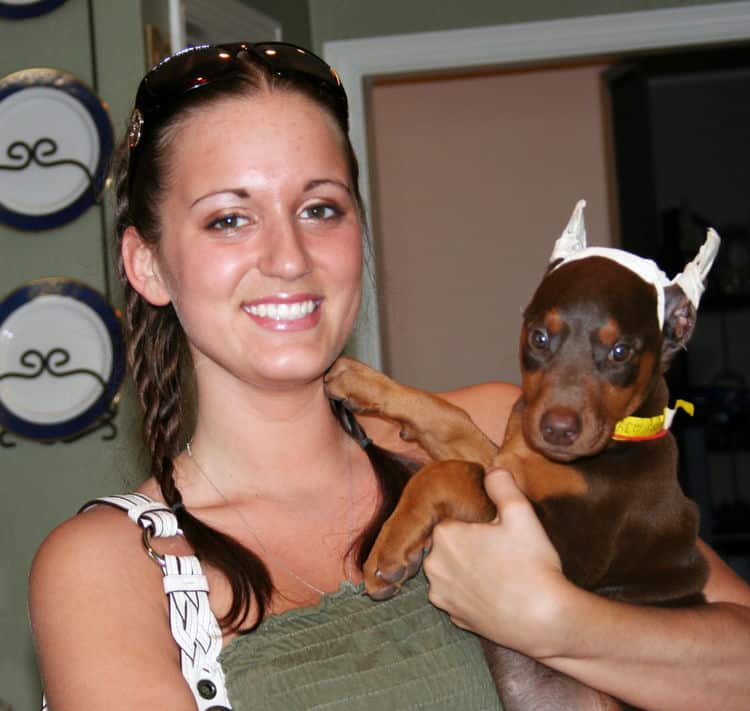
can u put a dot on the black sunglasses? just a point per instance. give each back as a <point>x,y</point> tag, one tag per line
<point>195,67</point>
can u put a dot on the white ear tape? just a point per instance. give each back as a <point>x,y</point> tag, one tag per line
<point>692,279</point>
<point>571,245</point>
<point>573,237</point>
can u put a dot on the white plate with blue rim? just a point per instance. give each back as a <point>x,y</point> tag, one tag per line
<point>62,359</point>
<point>56,140</point>
<point>21,9</point>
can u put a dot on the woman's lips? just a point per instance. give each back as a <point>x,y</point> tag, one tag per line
<point>285,314</point>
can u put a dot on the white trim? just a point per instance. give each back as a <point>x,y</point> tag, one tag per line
<point>360,59</point>
<point>176,25</point>
<point>228,21</point>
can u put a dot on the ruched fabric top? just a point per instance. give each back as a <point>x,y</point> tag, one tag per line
<point>350,652</point>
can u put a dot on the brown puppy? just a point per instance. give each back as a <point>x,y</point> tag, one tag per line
<point>598,335</point>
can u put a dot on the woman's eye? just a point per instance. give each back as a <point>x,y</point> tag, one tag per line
<point>320,212</point>
<point>539,339</point>
<point>620,352</point>
<point>228,222</point>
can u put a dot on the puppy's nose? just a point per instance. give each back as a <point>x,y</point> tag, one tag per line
<point>560,426</point>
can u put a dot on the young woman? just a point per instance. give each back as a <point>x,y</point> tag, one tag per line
<point>240,231</point>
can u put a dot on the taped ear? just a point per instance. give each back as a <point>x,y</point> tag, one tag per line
<point>682,297</point>
<point>679,322</point>
<point>142,268</point>
<point>573,237</point>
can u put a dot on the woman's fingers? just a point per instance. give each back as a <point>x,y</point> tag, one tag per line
<point>497,579</point>
<point>503,490</point>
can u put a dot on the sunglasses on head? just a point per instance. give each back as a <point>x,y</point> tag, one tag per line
<point>196,67</point>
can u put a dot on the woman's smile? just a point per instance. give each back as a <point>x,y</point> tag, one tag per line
<point>296,312</point>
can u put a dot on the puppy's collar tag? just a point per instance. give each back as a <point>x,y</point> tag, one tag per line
<point>640,429</point>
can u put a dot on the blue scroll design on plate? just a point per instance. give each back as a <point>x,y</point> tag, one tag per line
<point>38,154</point>
<point>34,363</point>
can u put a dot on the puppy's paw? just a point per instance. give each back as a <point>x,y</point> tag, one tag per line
<point>385,583</point>
<point>394,559</point>
<point>357,385</point>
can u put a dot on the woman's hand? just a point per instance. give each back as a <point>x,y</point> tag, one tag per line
<point>502,580</point>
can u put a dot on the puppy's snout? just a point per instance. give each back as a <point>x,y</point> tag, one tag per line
<point>560,427</point>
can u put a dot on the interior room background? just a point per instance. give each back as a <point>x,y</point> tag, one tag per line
<point>473,174</point>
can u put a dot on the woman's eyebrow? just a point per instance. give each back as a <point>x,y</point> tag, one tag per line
<point>327,181</point>
<point>242,193</point>
<point>238,192</point>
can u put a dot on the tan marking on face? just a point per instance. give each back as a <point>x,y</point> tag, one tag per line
<point>553,322</point>
<point>531,384</point>
<point>533,381</point>
<point>538,477</point>
<point>609,333</point>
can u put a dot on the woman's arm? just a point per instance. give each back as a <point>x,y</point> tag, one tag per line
<point>654,658</point>
<point>100,622</point>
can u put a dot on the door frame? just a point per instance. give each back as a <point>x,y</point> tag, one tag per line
<point>359,61</point>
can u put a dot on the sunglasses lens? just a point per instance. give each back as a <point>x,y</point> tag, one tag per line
<point>288,58</point>
<point>183,72</point>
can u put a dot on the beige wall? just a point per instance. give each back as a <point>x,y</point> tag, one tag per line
<point>474,178</point>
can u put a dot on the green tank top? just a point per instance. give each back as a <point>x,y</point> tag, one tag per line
<point>350,652</point>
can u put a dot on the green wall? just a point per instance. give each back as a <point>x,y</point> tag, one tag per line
<point>293,16</point>
<point>43,484</point>
<point>350,19</point>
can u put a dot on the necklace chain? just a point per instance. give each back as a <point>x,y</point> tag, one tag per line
<point>268,554</point>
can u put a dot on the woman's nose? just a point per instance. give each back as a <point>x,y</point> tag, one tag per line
<point>284,254</point>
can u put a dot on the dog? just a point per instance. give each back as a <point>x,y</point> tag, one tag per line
<point>587,441</point>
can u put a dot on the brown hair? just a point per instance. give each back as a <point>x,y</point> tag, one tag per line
<point>159,356</point>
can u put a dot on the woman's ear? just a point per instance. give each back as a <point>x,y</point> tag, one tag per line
<point>142,268</point>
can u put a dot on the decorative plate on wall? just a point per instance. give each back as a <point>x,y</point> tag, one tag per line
<point>56,139</point>
<point>19,9</point>
<point>62,359</point>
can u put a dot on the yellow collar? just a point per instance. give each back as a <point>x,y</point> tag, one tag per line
<point>638,429</point>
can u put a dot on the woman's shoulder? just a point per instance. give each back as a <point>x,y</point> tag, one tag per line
<point>98,549</point>
<point>101,543</point>
<point>88,538</point>
<point>97,603</point>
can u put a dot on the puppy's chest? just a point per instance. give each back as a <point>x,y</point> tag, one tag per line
<point>599,513</point>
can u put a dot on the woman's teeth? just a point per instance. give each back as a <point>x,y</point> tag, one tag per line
<point>283,312</point>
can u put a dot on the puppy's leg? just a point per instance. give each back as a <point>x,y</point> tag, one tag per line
<point>438,491</point>
<point>443,430</point>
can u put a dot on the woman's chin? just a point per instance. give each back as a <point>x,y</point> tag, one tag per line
<point>290,373</point>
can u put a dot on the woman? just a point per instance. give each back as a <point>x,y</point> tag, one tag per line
<point>239,224</point>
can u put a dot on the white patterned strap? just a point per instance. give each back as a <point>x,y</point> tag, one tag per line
<point>195,630</point>
<point>193,624</point>
<point>144,511</point>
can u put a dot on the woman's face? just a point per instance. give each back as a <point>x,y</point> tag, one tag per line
<point>261,250</point>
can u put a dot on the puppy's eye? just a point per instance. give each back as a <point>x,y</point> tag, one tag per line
<point>539,339</point>
<point>620,352</point>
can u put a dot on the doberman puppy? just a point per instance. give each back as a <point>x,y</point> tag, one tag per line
<point>587,442</point>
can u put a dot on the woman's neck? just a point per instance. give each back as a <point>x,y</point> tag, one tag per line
<point>254,441</point>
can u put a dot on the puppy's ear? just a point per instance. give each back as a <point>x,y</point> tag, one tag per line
<point>679,322</point>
